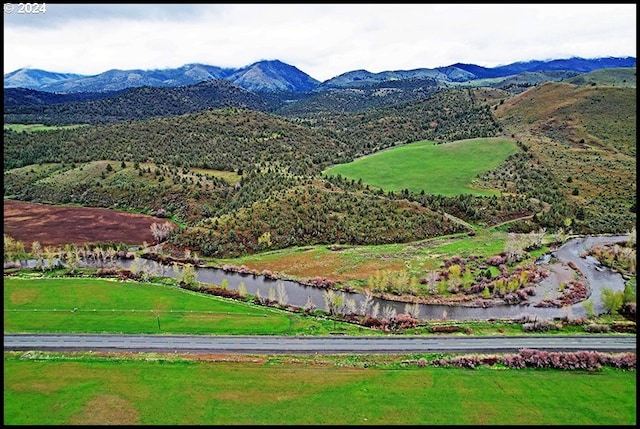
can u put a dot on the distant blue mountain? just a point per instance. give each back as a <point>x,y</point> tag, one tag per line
<point>581,65</point>
<point>460,72</point>
<point>262,76</point>
<point>272,76</point>
<point>118,80</point>
<point>276,76</point>
<point>36,78</point>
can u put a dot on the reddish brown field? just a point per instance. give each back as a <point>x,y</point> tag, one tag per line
<point>59,225</point>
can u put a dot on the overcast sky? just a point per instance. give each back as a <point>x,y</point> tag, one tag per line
<point>322,40</point>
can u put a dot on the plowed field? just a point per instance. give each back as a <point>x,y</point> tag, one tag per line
<point>59,225</point>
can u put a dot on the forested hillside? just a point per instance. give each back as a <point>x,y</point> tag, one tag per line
<point>584,137</point>
<point>246,178</point>
<point>224,139</point>
<point>128,105</point>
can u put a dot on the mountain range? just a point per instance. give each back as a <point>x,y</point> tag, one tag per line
<point>275,76</point>
<point>232,163</point>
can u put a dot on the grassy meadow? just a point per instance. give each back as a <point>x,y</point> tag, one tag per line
<point>145,388</point>
<point>38,127</point>
<point>132,388</point>
<point>354,265</point>
<point>90,305</point>
<point>150,389</point>
<point>445,169</point>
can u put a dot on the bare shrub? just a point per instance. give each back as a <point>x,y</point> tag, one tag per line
<point>350,305</point>
<point>160,231</point>
<point>283,298</point>
<point>332,301</point>
<point>403,321</point>
<point>412,310</point>
<point>309,305</point>
<point>271,294</point>
<point>367,303</point>
<point>242,289</point>
<point>594,327</point>
<point>388,312</point>
<point>541,325</point>
<point>375,310</point>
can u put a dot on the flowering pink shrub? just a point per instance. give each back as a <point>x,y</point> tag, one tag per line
<point>403,321</point>
<point>454,260</point>
<point>107,272</point>
<point>531,358</point>
<point>496,260</point>
<point>320,282</point>
<point>268,275</point>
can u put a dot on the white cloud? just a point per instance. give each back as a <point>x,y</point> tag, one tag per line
<point>322,40</point>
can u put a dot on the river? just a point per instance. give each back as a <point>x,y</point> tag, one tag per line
<point>596,276</point>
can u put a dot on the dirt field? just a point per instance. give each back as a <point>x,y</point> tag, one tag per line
<point>59,225</point>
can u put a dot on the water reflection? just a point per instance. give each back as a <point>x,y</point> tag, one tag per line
<point>300,295</point>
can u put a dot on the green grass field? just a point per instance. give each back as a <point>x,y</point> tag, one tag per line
<point>90,388</point>
<point>43,305</point>
<point>446,169</point>
<point>152,390</point>
<point>354,264</point>
<point>38,127</point>
<point>46,305</point>
<point>94,305</point>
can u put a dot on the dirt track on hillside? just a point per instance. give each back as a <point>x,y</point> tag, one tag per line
<point>59,225</point>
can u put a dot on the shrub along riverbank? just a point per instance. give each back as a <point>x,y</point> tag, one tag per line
<point>93,305</point>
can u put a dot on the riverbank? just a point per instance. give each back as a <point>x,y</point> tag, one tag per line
<point>567,262</point>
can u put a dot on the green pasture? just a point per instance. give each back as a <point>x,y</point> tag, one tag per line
<point>38,127</point>
<point>427,254</point>
<point>230,176</point>
<point>152,389</point>
<point>445,169</point>
<point>90,305</point>
<point>485,244</point>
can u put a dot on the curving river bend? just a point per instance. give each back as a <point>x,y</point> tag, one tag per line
<point>596,276</point>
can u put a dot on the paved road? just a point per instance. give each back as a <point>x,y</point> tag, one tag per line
<point>322,345</point>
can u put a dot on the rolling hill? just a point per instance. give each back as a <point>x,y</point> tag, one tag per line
<point>135,104</point>
<point>585,136</point>
<point>573,167</point>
